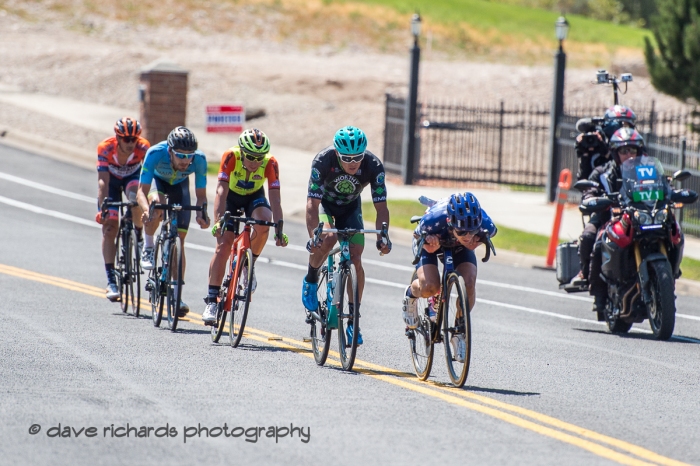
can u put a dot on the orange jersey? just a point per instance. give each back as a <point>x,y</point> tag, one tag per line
<point>243,182</point>
<point>108,159</point>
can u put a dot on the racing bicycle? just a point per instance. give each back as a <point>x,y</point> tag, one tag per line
<point>165,280</point>
<point>237,287</point>
<point>338,298</point>
<point>128,264</point>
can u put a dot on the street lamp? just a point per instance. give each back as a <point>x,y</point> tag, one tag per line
<point>409,147</point>
<point>561,28</point>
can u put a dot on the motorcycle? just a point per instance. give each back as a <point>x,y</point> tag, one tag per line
<point>641,245</point>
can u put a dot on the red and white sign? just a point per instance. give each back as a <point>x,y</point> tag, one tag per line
<point>225,118</point>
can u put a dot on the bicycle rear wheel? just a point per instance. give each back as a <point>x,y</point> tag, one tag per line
<point>156,289</point>
<point>348,313</point>
<point>456,329</point>
<point>420,339</point>
<point>240,299</point>
<point>320,335</point>
<point>174,284</point>
<point>135,275</point>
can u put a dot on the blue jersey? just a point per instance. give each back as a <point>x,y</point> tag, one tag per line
<point>157,163</point>
<point>434,222</point>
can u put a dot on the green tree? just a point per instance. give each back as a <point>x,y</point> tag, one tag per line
<point>674,66</point>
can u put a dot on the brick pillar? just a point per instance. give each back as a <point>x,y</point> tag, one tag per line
<point>163,94</point>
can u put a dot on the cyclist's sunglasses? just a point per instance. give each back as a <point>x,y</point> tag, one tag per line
<point>254,158</point>
<point>352,158</point>
<point>129,139</point>
<point>180,155</point>
<point>466,232</point>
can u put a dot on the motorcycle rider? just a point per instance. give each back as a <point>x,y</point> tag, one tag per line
<point>626,143</point>
<point>592,143</point>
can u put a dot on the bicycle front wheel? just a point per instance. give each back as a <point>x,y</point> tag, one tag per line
<point>420,339</point>
<point>135,275</point>
<point>320,334</point>
<point>240,299</point>
<point>121,269</point>
<point>222,308</point>
<point>456,329</point>
<point>348,315</point>
<point>156,290</point>
<point>174,281</point>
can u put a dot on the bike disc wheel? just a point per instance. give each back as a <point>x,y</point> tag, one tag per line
<point>420,339</point>
<point>156,293</point>
<point>174,284</point>
<point>240,299</point>
<point>456,326</point>
<point>320,335</point>
<point>348,314</point>
<point>135,275</point>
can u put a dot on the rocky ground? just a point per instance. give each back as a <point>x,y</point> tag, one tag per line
<point>307,93</point>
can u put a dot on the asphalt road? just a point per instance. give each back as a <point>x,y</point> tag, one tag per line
<point>547,385</point>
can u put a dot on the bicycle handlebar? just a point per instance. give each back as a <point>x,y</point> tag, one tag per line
<point>484,238</point>
<point>178,208</point>
<point>384,232</point>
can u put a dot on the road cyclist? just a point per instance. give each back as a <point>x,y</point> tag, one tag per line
<point>242,174</point>
<point>165,173</point>
<point>339,173</point>
<point>449,231</point>
<point>119,162</point>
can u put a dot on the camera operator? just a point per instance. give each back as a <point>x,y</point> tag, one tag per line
<point>592,142</point>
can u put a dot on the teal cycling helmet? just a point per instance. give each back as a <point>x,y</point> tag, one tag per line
<point>350,141</point>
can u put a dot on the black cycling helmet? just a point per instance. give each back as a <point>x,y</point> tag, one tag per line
<point>182,138</point>
<point>464,212</point>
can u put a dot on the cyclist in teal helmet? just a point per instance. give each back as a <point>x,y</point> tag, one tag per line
<point>350,141</point>
<point>338,175</point>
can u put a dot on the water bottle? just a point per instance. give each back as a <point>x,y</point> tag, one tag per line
<point>334,299</point>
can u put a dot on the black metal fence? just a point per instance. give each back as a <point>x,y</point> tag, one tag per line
<point>500,143</point>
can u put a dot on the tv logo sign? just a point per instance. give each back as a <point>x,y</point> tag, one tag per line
<point>646,173</point>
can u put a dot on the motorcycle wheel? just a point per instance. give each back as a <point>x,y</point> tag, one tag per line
<point>662,308</point>
<point>615,324</point>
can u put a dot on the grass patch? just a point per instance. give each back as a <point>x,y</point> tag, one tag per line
<point>515,20</point>
<point>690,268</point>
<point>507,238</point>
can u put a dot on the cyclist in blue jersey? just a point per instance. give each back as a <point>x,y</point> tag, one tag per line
<point>458,222</point>
<point>165,172</point>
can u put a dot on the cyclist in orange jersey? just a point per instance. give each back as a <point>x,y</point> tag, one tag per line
<point>244,169</point>
<point>119,160</point>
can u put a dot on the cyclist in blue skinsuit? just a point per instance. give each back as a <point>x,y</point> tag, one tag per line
<point>165,171</point>
<point>456,221</point>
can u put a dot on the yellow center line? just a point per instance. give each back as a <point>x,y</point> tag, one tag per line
<point>430,388</point>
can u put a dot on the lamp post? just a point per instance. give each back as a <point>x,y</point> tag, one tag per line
<point>409,146</point>
<point>562,30</point>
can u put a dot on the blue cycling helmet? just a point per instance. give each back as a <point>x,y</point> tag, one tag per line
<point>464,212</point>
<point>350,141</point>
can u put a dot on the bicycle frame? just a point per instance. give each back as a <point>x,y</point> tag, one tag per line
<point>241,243</point>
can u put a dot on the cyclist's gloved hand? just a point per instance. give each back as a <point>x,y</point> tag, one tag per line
<point>217,226</point>
<point>310,244</point>
<point>99,219</point>
<point>284,241</point>
<point>384,247</point>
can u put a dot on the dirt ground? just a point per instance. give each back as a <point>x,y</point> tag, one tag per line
<point>307,93</point>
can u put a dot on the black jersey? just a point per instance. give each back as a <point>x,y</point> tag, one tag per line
<point>330,183</point>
